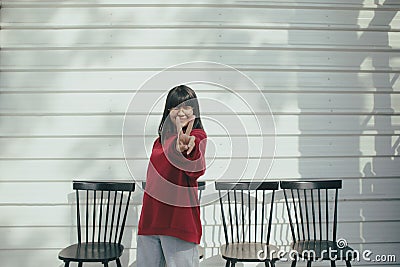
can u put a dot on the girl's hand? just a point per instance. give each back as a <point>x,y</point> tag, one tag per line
<point>185,141</point>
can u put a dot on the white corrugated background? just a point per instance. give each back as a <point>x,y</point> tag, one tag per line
<point>329,69</point>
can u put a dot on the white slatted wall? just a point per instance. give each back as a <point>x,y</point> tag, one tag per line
<point>330,70</point>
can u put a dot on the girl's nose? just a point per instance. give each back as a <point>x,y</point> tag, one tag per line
<point>181,113</point>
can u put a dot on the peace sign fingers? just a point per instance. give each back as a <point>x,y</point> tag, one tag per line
<point>191,144</point>
<point>190,125</point>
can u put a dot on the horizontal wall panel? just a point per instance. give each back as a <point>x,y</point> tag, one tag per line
<point>110,59</point>
<point>175,16</point>
<point>64,215</point>
<point>39,193</point>
<point>130,81</point>
<point>41,257</point>
<point>49,257</point>
<point>217,103</point>
<point>217,147</point>
<point>356,233</point>
<point>233,38</point>
<point>59,237</point>
<point>349,4</point>
<point>48,237</point>
<point>373,232</point>
<point>37,257</point>
<point>97,126</point>
<point>294,168</point>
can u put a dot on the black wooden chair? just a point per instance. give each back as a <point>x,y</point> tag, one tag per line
<point>103,222</point>
<point>247,236</point>
<point>201,187</point>
<point>312,209</point>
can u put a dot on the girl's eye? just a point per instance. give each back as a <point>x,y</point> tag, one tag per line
<point>184,108</point>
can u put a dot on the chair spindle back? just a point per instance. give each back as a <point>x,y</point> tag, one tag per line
<point>246,209</point>
<point>312,209</point>
<point>104,210</point>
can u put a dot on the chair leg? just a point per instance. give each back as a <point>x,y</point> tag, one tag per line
<point>333,264</point>
<point>272,263</point>
<point>348,264</point>
<point>309,263</point>
<point>294,262</point>
<point>266,263</point>
<point>233,263</point>
<point>118,262</point>
<point>105,264</point>
<point>80,264</point>
<point>66,263</point>
<point>228,263</point>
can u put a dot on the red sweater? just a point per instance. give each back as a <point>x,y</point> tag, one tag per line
<point>170,205</point>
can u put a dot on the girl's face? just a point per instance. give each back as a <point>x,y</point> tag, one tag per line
<point>183,112</point>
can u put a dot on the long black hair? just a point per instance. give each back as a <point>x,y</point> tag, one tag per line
<point>178,95</point>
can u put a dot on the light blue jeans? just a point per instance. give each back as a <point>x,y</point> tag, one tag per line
<point>161,250</point>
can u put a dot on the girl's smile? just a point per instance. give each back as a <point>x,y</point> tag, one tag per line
<point>184,113</point>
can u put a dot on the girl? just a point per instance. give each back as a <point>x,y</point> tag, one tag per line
<point>169,225</point>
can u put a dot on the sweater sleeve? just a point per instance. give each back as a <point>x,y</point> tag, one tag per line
<point>169,148</point>
<point>197,156</point>
<point>194,163</point>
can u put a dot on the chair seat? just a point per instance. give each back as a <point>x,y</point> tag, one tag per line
<point>249,251</point>
<point>325,250</point>
<point>91,252</point>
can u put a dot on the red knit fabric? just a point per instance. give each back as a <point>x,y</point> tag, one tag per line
<point>170,205</point>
